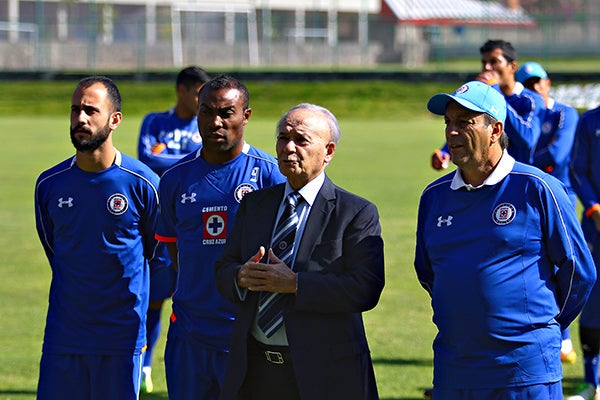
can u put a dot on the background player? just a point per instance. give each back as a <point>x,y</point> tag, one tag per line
<point>95,216</point>
<point>585,170</point>
<point>199,198</point>
<point>553,150</point>
<point>525,110</point>
<point>165,137</point>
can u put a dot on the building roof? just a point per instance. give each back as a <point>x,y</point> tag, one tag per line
<point>455,12</point>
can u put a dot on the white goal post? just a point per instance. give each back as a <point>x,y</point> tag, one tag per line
<point>14,29</point>
<point>229,10</point>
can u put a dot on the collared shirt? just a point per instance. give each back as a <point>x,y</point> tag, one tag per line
<point>309,193</point>
<point>500,172</point>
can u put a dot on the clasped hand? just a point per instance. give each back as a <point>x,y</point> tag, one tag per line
<point>275,276</point>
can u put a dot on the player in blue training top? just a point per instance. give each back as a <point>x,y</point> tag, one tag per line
<point>553,149</point>
<point>199,198</point>
<point>525,110</point>
<point>96,216</point>
<point>585,177</point>
<point>501,253</point>
<point>166,137</point>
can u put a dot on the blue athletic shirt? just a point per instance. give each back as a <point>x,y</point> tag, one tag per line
<point>180,137</point>
<point>585,164</point>
<point>553,149</point>
<point>97,229</point>
<point>506,266</point>
<point>524,116</point>
<point>198,205</point>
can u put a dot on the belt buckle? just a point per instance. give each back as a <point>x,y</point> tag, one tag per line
<point>274,357</point>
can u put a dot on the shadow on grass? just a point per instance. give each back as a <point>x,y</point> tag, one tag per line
<point>404,361</point>
<point>154,396</point>
<point>28,393</point>
<point>571,385</point>
<point>17,392</point>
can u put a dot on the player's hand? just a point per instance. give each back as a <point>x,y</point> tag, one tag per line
<point>440,160</point>
<point>488,77</point>
<point>595,216</point>
<point>158,148</point>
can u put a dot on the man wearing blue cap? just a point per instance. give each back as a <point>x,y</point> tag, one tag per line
<point>525,108</point>
<point>504,261</point>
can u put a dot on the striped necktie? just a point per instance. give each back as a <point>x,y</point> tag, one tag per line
<point>270,306</point>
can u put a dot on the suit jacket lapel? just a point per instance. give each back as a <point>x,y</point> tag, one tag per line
<point>315,224</point>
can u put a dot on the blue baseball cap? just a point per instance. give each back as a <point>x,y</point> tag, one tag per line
<point>474,95</point>
<point>531,69</point>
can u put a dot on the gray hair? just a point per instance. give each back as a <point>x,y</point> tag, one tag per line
<point>334,128</point>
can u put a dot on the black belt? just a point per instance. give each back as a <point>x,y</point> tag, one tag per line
<point>273,354</point>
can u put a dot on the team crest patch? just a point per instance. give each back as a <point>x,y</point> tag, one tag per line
<point>117,204</point>
<point>215,224</point>
<point>504,214</point>
<point>242,190</point>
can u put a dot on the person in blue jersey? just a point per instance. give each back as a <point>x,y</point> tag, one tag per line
<point>200,195</point>
<point>553,150</point>
<point>585,178</point>
<point>525,109</point>
<point>166,137</point>
<point>96,215</point>
<point>501,253</point>
<point>299,332</point>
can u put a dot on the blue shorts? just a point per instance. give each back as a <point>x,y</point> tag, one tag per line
<point>193,371</point>
<point>542,391</point>
<point>89,377</point>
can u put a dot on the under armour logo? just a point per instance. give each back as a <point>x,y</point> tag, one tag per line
<point>185,198</point>
<point>447,221</point>
<point>68,202</point>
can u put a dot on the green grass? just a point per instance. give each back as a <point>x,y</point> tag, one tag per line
<point>383,155</point>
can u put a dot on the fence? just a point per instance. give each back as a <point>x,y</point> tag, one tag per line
<point>138,37</point>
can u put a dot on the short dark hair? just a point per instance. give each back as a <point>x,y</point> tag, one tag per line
<point>489,120</point>
<point>227,82</point>
<point>111,88</point>
<point>192,75</point>
<point>507,48</point>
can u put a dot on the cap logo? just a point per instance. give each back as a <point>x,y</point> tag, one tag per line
<point>462,89</point>
<point>494,110</point>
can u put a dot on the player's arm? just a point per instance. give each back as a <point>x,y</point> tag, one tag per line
<point>567,249</point>
<point>581,157</point>
<point>525,130</point>
<point>422,264</point>
<point>559,149</point>
<point>43,223</point>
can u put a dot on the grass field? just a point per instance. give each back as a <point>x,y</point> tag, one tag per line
<point>387,137</point>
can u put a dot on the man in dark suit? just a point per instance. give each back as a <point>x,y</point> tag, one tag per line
<point>334,272</point>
